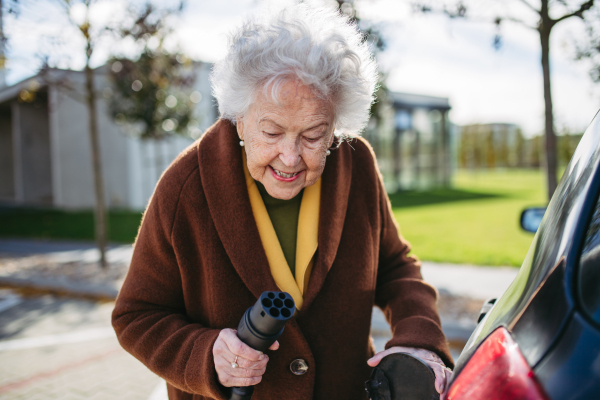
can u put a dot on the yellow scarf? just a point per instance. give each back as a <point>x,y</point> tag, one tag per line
<point>306,243</point>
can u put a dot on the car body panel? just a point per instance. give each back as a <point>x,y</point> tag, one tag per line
<point>571,370</point>
<point>543,318</point>
<point>538,305</point>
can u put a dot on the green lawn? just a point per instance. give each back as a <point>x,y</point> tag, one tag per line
<point>477,222</point>
<point>53,224</point>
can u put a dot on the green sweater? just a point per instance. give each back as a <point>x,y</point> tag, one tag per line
<point>284,217</point>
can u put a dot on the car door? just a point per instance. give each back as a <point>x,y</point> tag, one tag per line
<point>519,337</point>
<point>571,369</point>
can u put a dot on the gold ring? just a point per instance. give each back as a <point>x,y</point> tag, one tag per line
<point>235,364</point>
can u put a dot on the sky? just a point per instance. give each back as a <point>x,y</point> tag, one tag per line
<point>426,54</point>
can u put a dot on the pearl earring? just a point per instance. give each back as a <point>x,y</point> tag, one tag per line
<point>242,143</point>
<point>327,152</point>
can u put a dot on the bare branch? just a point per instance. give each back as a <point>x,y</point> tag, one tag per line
<point>518,21</point>
<point>459,11</point>
<point>579,13</point>
<point>530,6</point>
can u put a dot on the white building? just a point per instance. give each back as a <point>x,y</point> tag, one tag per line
<point>45,156</point>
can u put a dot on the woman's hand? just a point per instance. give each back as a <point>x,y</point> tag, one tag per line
<point>251,363</point>
<point>442,373</point>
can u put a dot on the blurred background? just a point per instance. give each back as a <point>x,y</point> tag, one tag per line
<point>480,107</point>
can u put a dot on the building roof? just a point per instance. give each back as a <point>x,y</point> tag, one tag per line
<point>35,83</point>
<point>409,100</point>
<point>11,92</point>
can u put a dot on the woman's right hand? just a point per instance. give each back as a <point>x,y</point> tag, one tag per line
<point>251,363</point>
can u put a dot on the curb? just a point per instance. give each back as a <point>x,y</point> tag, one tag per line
<point>457,333</point>
<point>55,286</point>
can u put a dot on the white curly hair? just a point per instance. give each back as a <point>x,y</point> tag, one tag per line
<point>318,46</point>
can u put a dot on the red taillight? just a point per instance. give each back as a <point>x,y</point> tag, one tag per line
<point>497,371</point>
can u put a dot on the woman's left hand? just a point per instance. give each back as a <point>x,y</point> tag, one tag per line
<point>442,373</point>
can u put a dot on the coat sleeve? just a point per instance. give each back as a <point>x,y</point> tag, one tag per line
<point>408,303</point>
<point>150,317</point>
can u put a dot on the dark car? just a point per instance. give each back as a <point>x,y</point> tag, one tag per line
<point>541,339</point>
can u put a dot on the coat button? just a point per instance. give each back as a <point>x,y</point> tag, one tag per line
<point>298,366</point>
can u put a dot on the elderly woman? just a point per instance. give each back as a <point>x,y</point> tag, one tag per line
<point>275,196</point>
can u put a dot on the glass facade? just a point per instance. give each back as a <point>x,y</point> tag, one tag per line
<point>413,143</point>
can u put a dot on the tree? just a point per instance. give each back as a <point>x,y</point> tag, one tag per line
<point>372,35</point>
<point>92,34</point>
<point>144,27</point>
<point>547,19</point>
<point>590,48</point>
<point>12,9</point>
<point>153,94</point>
<point>100,217</point>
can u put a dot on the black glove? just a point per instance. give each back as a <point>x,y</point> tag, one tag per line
<point>401,376</point>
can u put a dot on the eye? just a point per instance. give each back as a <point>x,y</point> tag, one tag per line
<point>312,140</point>
<point>270,134</point>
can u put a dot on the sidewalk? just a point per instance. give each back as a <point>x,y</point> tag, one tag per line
<point>469,280</point>
<point>63,267</point>
<point>71,266</point>
<point>64,347</point>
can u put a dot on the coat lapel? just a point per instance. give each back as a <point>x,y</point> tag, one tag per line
<point>224,184</point>
<point>335,189</point>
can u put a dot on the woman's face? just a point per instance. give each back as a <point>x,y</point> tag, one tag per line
<point>286,143</point>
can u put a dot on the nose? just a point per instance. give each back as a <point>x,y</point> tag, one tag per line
<point>290,153</point>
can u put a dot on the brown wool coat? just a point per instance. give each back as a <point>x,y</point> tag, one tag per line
<point>198,264</point>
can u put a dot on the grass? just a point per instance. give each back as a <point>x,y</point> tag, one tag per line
<point>476,222</point>
<point>54,224</point>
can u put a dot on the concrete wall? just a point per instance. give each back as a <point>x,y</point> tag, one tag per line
<point>71,154</point>
<point>52,154</point>
<point>131,167</point>
<point>32,134</point>
<point>113,144</point>
<point>72,149</point>
<point>147,161</point>
<point>7,183</point>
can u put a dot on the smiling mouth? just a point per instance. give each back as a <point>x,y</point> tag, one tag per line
<point>284,175</point>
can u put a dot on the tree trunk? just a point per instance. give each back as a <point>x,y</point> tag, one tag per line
<point>100,209</point>
<point>550,159</point>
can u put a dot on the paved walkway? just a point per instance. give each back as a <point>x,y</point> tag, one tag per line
<point>469,280</point>
<point>64,348</point>
<point>462,280</point>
